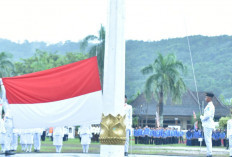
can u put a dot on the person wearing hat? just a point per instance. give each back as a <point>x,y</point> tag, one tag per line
<point>2,129</point>
<point>58,134</point>
<point>86,135</point>
<point>128,123</point>
<point>208,122</point>
<point>37,139</point>
<point>8,121</point>
<point>229,133</point>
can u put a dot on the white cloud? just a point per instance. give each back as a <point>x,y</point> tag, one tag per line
<point>60,20</point>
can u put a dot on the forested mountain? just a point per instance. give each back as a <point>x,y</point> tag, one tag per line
<point>27,49</point>
<point>212,58</point>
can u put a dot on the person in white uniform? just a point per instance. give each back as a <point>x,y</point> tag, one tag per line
<point>58,134</point>
<point>229,133</point>
<point>8,121</point>
<point>86,135</point>
<point>208,122</point>
<point>29,139</point>
<point>37,139</point>
<point>128,123</point>
<point>14,142</point>
<point>23,139</point>
<point>2,131</point>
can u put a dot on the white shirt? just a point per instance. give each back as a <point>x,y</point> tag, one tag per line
<point>207,119</point>
<point>38,130</point>
<point>229,128</point>
<point>2,127</point>
<point>58,131</point>
<point>85,129</point>
<point>128,113</point>
<point>1,107</point>
<point>5,104</point>
<point>85,134</point>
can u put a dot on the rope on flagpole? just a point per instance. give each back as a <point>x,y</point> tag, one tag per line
<point>194,76</point>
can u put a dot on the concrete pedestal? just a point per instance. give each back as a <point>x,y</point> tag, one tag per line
<point>112,150</point>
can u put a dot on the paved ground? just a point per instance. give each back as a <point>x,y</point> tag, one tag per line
<point>76,155</point>
<point>184,151</point>
<point>136,151</point>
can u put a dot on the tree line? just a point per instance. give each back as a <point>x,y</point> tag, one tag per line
<point>212,59</point>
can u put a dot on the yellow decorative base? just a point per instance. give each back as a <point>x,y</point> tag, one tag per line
<point>113,130</point>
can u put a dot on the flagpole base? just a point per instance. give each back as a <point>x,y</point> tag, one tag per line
<point>112,136</point>
<point>112,150</point>
<point>113,130</point>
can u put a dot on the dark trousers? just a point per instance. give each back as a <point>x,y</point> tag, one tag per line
<point>146,139</point>
<point>151,140</point>
<point>43,136</point>
<point>140,140</point>
<point>136,139</point>
<point>181,139</point>
<point>189,142</point>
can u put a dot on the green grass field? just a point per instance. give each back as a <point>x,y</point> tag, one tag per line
<point>74,146</point>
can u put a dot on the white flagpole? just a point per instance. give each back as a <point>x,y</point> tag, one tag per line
<point>114,70</point>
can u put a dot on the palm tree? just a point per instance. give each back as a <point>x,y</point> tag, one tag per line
<point>165,81</point>
<point>6,66</point>
<point>97,49</point>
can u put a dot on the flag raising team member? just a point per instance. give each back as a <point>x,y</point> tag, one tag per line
<point>37,139</point>
<point>2,129</point>
<point>208,122</point>
<point>86,135</point>
<point>128,123</point>
<point>58,134</point>
<point>8,121</point>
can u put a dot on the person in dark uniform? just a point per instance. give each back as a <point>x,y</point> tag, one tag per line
<point>189,137</point>
<point>214,138</point>
<point>43,135</point>
<point>218,138</point>
<point>164,136</point>
<point>181,136</point>
<point>222,136</point>
<point>140,131</point>
<point>146,134</point>
<point>136,135</point>
<point>195,138</point>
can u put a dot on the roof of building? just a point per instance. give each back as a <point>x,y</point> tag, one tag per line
<point>186,108</point>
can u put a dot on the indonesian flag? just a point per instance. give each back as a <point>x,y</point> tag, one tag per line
<point>196,125</point>
<point>194,115</point>
<point>68,95</point>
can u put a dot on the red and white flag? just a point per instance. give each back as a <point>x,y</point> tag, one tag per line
<point>68,95</point>
<point>196,125</point>
<point>194,115</point>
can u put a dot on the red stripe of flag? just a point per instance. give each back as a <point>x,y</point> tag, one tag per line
<point>54,84</point>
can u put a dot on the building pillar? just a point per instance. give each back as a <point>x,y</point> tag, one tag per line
<point>176,121</point>
<point>184,125</point>
<point>113,131</point>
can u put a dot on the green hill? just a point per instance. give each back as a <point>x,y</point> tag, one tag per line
<point>212,58</point>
